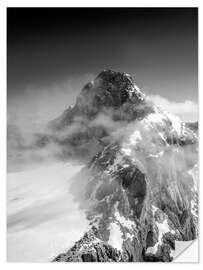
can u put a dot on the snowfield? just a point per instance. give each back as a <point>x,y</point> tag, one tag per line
<point>43,220</point>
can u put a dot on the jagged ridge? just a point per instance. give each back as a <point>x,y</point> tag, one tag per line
<point>139,192</point>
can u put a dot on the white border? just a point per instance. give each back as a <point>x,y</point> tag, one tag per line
<point>100,3</point>
<point>76,3</point>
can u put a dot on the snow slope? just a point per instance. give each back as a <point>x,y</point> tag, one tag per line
<point>43,220</point>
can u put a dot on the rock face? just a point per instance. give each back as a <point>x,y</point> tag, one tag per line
<point>104,105</point>
<point>139,187</point>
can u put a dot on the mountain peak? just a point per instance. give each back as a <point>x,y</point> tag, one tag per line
<point>111,75</point>
<point>111,93</point>
<point>109,89</point>
<point>138,188</point>
<point>104,106</point>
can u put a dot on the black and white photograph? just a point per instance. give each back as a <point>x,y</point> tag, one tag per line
<point>102,134</point>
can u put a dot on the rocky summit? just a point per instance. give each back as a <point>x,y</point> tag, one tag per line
<point>139,186</point>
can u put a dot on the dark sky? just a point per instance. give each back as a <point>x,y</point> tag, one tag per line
<point>157,46</point>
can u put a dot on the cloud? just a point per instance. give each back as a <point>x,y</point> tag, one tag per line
<point>35,105</point>
<point>186,110</point>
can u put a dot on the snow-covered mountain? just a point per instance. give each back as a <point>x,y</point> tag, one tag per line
<point>139,187</point>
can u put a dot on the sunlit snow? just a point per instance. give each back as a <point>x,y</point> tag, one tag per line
<point>122,220</point>
<point>115,238</point>
<point>163,228</point>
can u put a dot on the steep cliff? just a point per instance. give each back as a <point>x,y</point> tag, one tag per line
<point>139,187</point>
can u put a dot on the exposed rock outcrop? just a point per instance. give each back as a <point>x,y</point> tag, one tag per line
<point>139,188</point>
